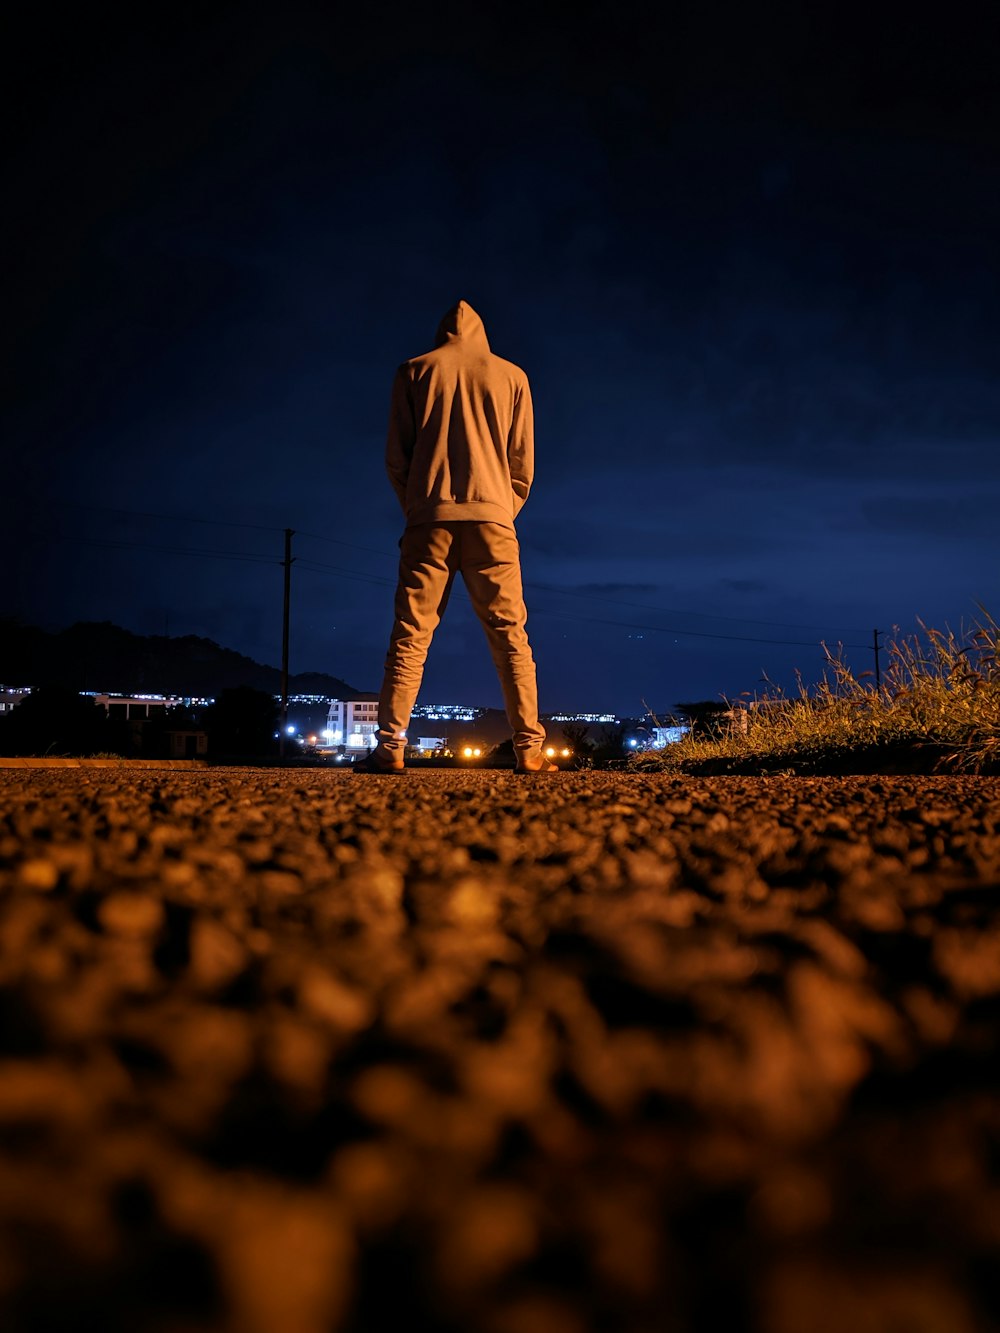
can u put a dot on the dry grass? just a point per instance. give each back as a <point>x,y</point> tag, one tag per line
<point>938,702</point>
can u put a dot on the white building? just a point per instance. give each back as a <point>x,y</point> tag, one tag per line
<point>131,706</point>
<point>11,696</point>
<point>351,724</point>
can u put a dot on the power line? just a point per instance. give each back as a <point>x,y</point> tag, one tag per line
<point>315,567</point>
<point>672,611</point>
<point>611,601</point>
<point>374,579</point>
<point>338,541</point>
<point>689,633</point>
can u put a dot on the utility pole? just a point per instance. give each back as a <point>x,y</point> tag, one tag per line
<point>287,566</point>
<point>878,673</point>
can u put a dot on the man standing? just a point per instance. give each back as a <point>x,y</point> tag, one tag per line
<point>460,456</point>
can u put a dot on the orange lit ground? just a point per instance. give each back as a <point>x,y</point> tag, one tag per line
<point>298,1052</point>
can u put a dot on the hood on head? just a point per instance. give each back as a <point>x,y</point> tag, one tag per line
<point>462,324</point>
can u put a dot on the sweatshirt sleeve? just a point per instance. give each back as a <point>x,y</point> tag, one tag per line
<point>521,447</point>
<point>401,436</point>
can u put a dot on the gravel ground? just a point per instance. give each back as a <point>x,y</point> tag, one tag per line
<point>290,1052</point>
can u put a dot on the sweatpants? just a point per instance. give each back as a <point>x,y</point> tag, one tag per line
<point>488,557</point>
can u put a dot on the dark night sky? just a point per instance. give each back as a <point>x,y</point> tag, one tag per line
<point>748,256</point>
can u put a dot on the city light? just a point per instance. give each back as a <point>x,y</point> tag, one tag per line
<point>579,717</point>
<point>447,712</point>
<point>290,729</point>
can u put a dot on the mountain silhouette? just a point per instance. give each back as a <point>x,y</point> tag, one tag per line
<point>102,656</point>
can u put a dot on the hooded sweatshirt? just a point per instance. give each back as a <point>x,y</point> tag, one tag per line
<point>461,435</point>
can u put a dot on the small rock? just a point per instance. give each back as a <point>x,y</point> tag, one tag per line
<point>38,873</point>
<point>472,903</point>
<point>130,914</point>
<point>217,956</point>
<point>486,1234</point>
<point>280,883</point>
<point>324,997</point>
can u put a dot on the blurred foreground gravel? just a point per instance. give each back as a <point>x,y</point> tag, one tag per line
<point>291,1052</point>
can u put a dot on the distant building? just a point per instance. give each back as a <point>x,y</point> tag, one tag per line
<point>645,737</point>
<point>187,744</point>
<point>351,724</point>
<point>307,717</point>
<point>430,747</point>
<point>139,711</point>
<point>11,696</point>
<point>133,706</point>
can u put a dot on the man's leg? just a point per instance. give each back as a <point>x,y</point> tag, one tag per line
<point>490,561</point>
<point>426,573</point>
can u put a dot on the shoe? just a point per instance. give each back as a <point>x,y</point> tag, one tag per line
<point>377,761</point>
<point>537,765</point>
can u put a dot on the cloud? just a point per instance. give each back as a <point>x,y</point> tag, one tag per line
<point>605,589</point>
<point>744,585</point>
<point>615,542</point>
<point>952,517</point>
